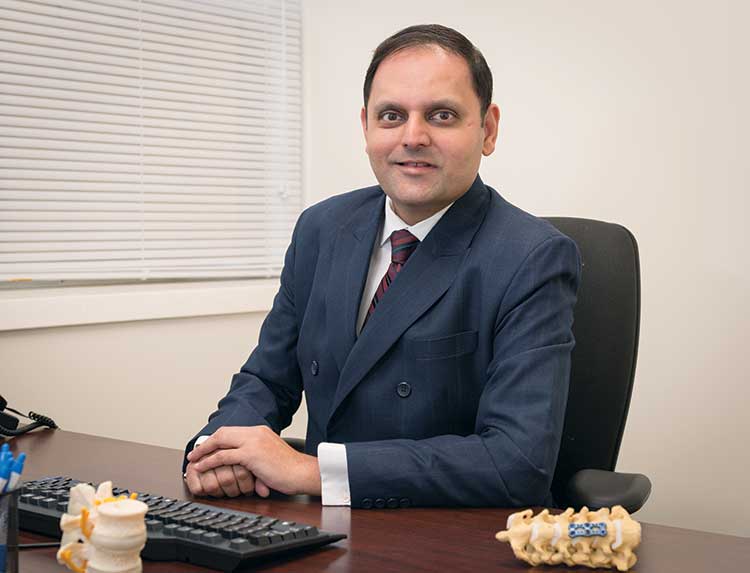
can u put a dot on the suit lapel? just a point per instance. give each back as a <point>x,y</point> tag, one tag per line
<point>429,272</point>
<point>350,263</point>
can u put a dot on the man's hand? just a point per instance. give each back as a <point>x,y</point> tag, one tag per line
<point>263,454</point>
<point>226,481</point>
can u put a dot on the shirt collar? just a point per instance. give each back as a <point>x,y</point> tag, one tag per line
<point>394,223</point>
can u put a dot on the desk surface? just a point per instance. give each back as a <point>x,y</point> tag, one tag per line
<point>416,539</point>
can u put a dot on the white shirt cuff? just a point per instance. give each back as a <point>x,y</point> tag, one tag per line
<point>334,474</point>
<point>199,440</point>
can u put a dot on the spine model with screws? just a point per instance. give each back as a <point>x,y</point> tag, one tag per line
<point>603,538</point>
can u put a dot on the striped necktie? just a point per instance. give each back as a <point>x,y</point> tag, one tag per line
<point>403,244</point>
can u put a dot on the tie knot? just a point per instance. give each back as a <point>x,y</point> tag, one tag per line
<point>403,244</point>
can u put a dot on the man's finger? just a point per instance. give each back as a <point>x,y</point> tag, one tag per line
<point>261,488</point>
<point>245,480</point>
<point>219,458</point>
<point>202,449</point>
<point>225,437</point>
<point>210,484</point>
<point>193,481</point>
<point>227,481</point>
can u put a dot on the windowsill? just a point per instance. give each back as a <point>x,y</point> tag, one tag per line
<point>66,306</point>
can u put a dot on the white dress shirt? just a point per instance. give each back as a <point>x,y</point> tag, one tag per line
<point>334,472</point>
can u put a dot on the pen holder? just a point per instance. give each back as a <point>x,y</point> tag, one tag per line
<point>9,531</point>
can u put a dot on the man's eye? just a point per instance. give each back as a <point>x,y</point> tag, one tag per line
<point>443,115</point>
<point>390,116</point>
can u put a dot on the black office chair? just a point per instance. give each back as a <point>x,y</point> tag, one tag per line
<point>606,324</point>
<point>607,317</point>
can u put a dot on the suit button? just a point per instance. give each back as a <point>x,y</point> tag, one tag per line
<point>392,503</point>
<point>380,503</point>
<point>404,502</point>
<point>314,367</point>
<point>403,389</point>
<point>366,503</point>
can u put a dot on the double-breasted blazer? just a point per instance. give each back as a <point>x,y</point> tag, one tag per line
<point>455,390</point>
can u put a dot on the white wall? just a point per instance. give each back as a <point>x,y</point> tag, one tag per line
<point>628,112</point>
<point>633,112</point>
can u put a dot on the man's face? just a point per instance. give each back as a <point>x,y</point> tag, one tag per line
<point>424,132</point>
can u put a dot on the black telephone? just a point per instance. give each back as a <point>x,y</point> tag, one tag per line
<point>9,423</point>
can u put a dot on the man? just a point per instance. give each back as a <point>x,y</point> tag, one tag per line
<point>427,320</point>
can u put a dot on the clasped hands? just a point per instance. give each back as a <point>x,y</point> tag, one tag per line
<point>239,460</point>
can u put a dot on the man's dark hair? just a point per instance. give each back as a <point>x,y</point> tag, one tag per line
<point>436,35</point>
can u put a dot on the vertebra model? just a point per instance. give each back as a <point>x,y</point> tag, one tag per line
<point>600,538</point>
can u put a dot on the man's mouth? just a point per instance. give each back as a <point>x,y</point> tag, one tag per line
<point>415,164</point>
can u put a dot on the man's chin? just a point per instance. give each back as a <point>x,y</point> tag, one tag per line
<point>411,190</point>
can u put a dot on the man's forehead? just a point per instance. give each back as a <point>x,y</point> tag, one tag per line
<point>410,71</point>
<point>427,55</point>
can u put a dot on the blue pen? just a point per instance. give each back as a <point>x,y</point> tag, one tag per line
<point>5,472</point>
<point>16,469</point>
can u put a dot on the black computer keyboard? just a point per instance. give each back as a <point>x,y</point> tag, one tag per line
<point>181,530</point>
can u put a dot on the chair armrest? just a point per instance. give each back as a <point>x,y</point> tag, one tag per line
<point>297,443</point>
<point>600,488</point>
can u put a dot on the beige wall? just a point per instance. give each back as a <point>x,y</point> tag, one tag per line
<point>629,112</point>
<point>152,381</point>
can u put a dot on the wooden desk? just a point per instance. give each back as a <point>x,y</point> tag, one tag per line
<point>378,540</point>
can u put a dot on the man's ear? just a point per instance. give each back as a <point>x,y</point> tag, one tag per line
<point>363,121</point>
<point>491,129</point>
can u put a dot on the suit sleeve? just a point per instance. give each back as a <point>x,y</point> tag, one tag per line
<point>510,459</point>
<point>268,388</point>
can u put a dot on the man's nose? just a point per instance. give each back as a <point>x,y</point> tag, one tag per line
<point>416,133</point>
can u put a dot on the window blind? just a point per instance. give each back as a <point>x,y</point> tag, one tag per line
<point>151,139</point>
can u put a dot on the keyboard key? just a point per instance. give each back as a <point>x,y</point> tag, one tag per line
<point>260,539</point>
<point>183,531</point>
<point>284,532</point>
<point>310,530</point>
<point>215,523</point>
<point>211,537</point>
<point>232,531</point>
<point>195,517</point>
<point>239,544</point>
<point>181,504</point>
<point>250,530</point>
<point>196,534</point>
<point>48,502</point>
<point>176,516</point>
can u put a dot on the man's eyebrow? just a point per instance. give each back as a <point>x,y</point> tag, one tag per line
<point>387,105</point>
<point>445,103</point>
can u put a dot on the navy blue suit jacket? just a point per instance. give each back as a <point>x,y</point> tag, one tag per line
<point>476,329</point>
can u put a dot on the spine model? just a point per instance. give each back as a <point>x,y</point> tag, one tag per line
<point>102,533</point>
<point>593,539</point>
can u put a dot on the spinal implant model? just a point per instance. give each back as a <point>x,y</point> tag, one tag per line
<point>600,538</point>
<point>102,533</point>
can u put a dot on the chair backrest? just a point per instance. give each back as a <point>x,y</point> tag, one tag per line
<point>606,323</point>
